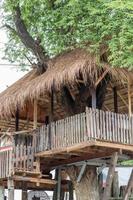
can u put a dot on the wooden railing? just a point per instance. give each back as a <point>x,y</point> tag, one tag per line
<point>5,162</point>
<point>23,158</point>
<point>90,125</point>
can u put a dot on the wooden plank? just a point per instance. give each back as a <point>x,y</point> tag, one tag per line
<point>34,180</point>
<point>107,190</point>
<point>129,187</point>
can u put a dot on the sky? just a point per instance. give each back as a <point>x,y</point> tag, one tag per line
<point>8,74</point>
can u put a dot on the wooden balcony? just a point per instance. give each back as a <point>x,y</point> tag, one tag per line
<point>92,134</point>
<point>91,125</point>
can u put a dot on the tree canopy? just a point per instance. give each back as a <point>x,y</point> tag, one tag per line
<point>39,30</point>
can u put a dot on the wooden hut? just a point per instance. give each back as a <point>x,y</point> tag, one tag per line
<point>78,110</point>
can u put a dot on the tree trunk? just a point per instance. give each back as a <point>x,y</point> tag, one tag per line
<point>87,188</point>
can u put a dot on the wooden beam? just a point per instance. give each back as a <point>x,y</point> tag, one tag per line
<point>35,114</point>
<point>115,99</point>
<point>93,95</point>
<point>129,187</point>
<point>34,180</point>
<point>124,101</point>
<point>17,120</point>
<point>111,171</point>
<point>129,98</point>
<point>101,77</point>
<point>83,168</point>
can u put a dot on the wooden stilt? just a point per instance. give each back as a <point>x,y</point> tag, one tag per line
<point>55,189</point>
<point>1,193</point>
<point>93,95</point>
<point>70,186</point>
<point>115,186</point>
<point>100,183</point>
<point>24,191</point>
<point>107,191</point>
<point>35,115</point>
<point>10,189</point>
<point>24,195</point>
<point>129,187</point>
<point>59,185</point>
<point>129,98</point>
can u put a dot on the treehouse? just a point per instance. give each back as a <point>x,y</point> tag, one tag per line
<point>77,111</point>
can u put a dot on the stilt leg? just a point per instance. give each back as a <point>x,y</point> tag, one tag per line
<point>10,189</point>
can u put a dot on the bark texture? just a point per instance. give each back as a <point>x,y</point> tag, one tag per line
<point>87,188</point>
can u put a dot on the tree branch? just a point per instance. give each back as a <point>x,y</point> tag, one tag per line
<point>28,40</point>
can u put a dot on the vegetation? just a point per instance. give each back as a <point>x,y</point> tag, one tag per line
<point>38,30</point>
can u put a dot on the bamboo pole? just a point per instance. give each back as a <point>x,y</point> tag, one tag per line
<point>35,115</point>
<point>129,97</point>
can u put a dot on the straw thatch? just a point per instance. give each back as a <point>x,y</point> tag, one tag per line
<point>64,69</point>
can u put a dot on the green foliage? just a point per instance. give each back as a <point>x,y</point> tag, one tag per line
<point>127,163</point>
<point>67,24</point>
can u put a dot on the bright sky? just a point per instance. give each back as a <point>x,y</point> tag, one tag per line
<point>8,74</point>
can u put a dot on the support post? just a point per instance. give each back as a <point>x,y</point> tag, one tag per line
<point>24,194</point>
<point>115,185</point>
<point>129,98</point>
<point>10,189</point>
<point>1,193</point>
<point>129,187</point>
<point>24,191</point>
<point>59,185</point>
<point>70,186</point>
<point>93,96</point>
<point>35,114</point>
<point>17,120</point>
<point>57,190</point>
<point>111,171</point>
<point>115,100</point>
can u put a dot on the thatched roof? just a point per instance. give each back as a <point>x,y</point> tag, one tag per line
<point>64,69</point>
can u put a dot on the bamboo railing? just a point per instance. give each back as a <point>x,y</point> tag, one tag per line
<point>5,162</point>
<point>19,158</point>
<point>90,125</point>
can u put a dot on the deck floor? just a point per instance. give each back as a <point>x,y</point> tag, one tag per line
<point>84,151</point>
